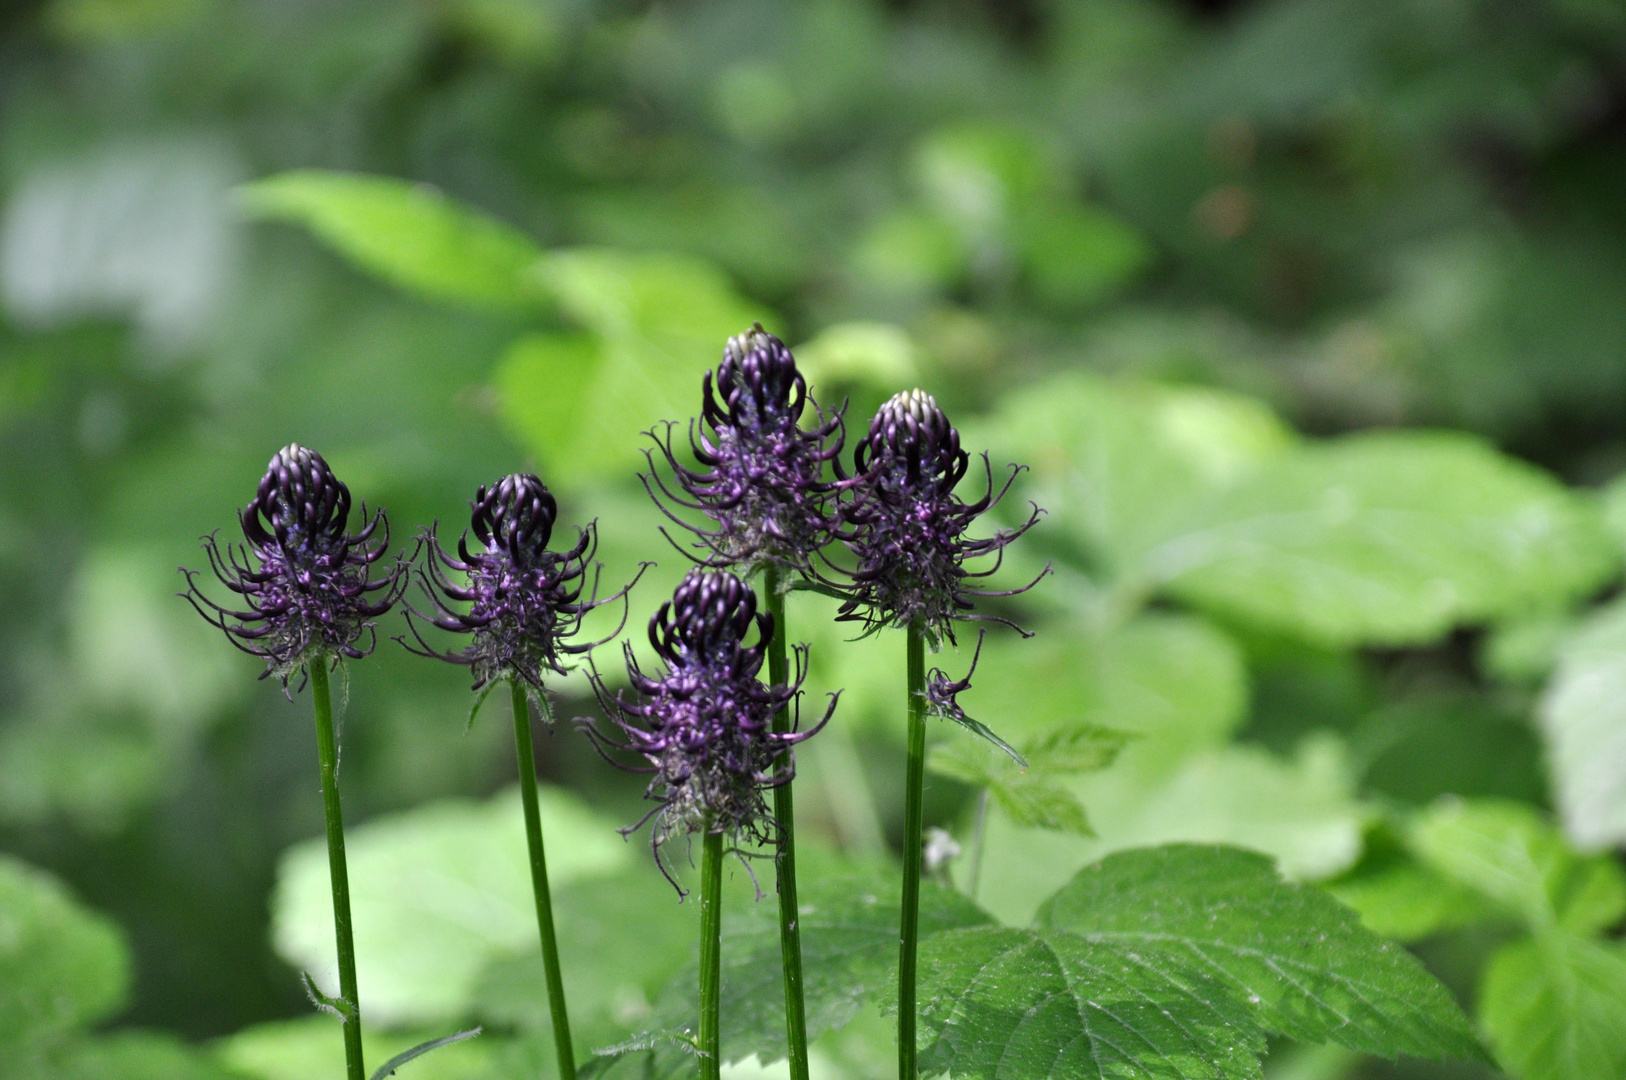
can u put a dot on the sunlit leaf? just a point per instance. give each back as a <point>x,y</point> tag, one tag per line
<point>1583,714</point>
<point>1550,1006</point>
<point>1386,538</point>
<point>409,234</point>
<point>1508,853</point>
<point>653,324</point>
<point>436,893</point>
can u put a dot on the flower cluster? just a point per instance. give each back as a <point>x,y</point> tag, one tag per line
<point>705,726</point>
<point>312,594</point>
<point>907,528</point>
<point>763,486</point>
<point>524,601</point>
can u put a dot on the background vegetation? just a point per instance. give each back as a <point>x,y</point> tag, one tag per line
<point>1307,314</point>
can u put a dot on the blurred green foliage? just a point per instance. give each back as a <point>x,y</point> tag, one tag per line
<point>1178,258</point>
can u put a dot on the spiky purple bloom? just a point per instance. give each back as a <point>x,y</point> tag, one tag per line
<point>763,487</point>
<point>907,528</point>
<point>312,595</point>
<point>524,601</point>
<point>705,726</point>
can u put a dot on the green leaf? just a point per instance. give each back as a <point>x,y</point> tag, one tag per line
<point>389,1067</point>
<point>653,324</point>
<point>1509,854</point>
<point>1175,962</point>
<point>1386,538</point>
<point>873,354</point>
<point>1297,958</point>
<point>1583,716</point>
<point>63,966</point>
<point>436,893</point>
<point>1551,1008</point>
<point>1015,1004</point>
<point>409,234</point>
<point>1119,465</point>
<point>1399,898</point>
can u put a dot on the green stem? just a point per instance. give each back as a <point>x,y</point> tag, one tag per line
<point>539,881</point>
<point>327,752</point>
<point>711,956</point>
<point>784,809</point>
<point>914,794</point>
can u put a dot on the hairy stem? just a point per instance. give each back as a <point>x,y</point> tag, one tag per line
<point>711,956</point>
<point>784,809</point>
<point>539,881</point>
<point>914,792</point>
<point>327,752</point>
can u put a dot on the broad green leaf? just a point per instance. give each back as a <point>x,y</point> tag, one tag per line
<point>1551,1008</point>
<point>1175,962</point>
<point>1296,957</point>
<point>1016,1004</point>
<point>1078,254</point>
<point>1300,810</point>
<point>1119,465</point>
<point>409,234</point>
<point>436,893</point>
<point>1506,852</point>
<point>1583,716</point>
<point>62,966</point>
<point>313,1047</point>
<point>1386,538</point>
<point>653,323</point>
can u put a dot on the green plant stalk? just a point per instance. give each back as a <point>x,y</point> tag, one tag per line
<point>327,752</point>
<point>526,755</point>
<point>711,956</point>
<point>914,794</point>
<point>784,810</point>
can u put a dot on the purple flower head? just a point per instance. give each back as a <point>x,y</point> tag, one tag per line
<point>907,528</point>
<point>762,486</point>
<point>524,601</point>
<point>312,595</point>
<point>705,726</point>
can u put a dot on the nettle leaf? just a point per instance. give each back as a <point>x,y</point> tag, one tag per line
<point>1509,854</point>
<point>1386,538</point>
<point>1551,1008</point>
<point>1583,715</point>
<point>409,234</point>
<point>1031,796</point>
<point>653,324</point>
<point>63,967</point>
<point>1175,962</point>
<point>436,893</point>
<point>1296,958</point>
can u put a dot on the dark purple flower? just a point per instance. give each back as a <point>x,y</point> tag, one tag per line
<point>907,528</point>
<point>762,486</point>
<point>524,601</point>
<point>705,726</point>
<point>312,595</point>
